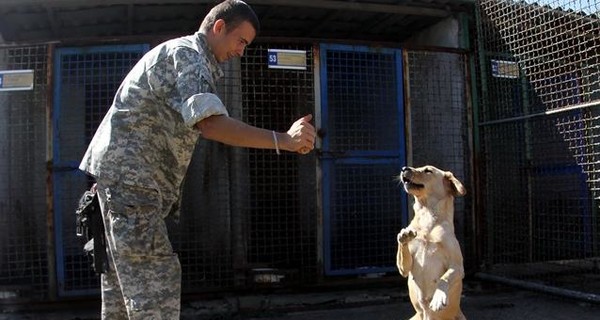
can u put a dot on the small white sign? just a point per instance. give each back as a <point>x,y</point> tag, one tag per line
<point>505,69</point>
<point>14,80</point>
<point>287,59</point>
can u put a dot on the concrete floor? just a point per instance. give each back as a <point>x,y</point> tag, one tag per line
<point>518,305</point>
<point>481,301</point>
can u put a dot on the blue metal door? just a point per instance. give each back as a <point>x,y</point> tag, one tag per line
<point>85,81</point>
<point>363,150</point>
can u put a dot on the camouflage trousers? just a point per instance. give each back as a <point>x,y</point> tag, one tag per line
<point>144,280</point>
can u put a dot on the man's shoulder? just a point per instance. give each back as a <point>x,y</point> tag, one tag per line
<point>185,41</point>
<point>162,54</point>
<point>189,42</point>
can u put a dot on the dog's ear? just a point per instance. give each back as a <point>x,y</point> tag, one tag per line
<point>456,187</point>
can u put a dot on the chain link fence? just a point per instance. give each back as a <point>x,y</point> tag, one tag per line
<point>539,67</point>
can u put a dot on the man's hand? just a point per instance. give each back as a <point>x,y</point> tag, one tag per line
<point>301,136</point>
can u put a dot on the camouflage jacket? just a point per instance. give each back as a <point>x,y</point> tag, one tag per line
<point>147,137</point>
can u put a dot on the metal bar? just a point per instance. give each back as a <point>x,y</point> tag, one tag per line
<point>319,167</point>
<point>472,100</point>
<point>401,85</point>
<point>540,287</point>
<point>545,113</point>
<point>50,235</point>
<point>58,249</point>
<point>239,200</point>
<point>407,109</point>
<point>413,47</point>
<point>25,44</point>
<point>595,231</point>
<point>326,164</point>
<point>528,157</point>
<point>488,209</point>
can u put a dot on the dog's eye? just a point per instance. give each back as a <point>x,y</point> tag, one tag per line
<point>428,170</point>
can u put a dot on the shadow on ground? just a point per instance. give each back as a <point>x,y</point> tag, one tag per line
<point>481,301</point>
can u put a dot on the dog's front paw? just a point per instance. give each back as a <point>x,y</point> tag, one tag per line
<point>406,235</point>
<point>439,300</point>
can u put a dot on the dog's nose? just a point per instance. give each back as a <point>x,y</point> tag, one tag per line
<point>404,169</point>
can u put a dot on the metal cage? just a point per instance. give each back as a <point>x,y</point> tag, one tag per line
<point>540,91</point>
<point>24,242</point>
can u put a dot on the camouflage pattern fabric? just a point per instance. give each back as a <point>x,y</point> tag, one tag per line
<point>139,156</point>
<point>144,277</point>
<point>147,137</point>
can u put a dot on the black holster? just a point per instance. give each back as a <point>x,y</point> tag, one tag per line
<point>90,226</point>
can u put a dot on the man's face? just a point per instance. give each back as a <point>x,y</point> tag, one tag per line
<point>231,43</point>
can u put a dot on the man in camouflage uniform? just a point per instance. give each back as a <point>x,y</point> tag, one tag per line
<point>142,149</point>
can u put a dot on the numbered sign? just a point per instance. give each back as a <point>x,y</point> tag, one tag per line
<point>287,59</point>
<point>13,80</point>
<point>505,69</point>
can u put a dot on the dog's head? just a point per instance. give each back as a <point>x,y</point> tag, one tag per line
<point>430,181</point>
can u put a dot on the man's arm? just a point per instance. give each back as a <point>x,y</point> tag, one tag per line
<point>299,138</point>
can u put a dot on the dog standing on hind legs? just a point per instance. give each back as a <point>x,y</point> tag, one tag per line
<point>428,252</point>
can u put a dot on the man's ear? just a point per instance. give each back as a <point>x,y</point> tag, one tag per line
<point>219,27</point>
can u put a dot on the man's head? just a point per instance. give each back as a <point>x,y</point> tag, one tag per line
<point>229,27</point>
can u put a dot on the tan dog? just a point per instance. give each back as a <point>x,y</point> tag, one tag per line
<point>428,251</point>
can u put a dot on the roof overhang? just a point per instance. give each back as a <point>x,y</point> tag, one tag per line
<point>374,20</point>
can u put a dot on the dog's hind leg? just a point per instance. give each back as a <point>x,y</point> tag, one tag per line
<point>449,286</point>
<point>447,283</point>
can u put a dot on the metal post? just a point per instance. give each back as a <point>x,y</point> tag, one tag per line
<point>50,236</point>
<point>472,100</point>
<point>488,211</point>
<point>528,157</point>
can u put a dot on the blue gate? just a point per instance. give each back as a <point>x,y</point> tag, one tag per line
<point>363,150</point>
<point>85,81</point>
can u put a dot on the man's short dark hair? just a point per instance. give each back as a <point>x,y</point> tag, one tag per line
<point>233,12</point>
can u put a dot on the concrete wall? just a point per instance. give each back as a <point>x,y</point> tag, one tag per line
<point>444,34</point>
<point>438,107</point>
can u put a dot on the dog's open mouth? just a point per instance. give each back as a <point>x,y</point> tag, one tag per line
<point>408,183</point>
